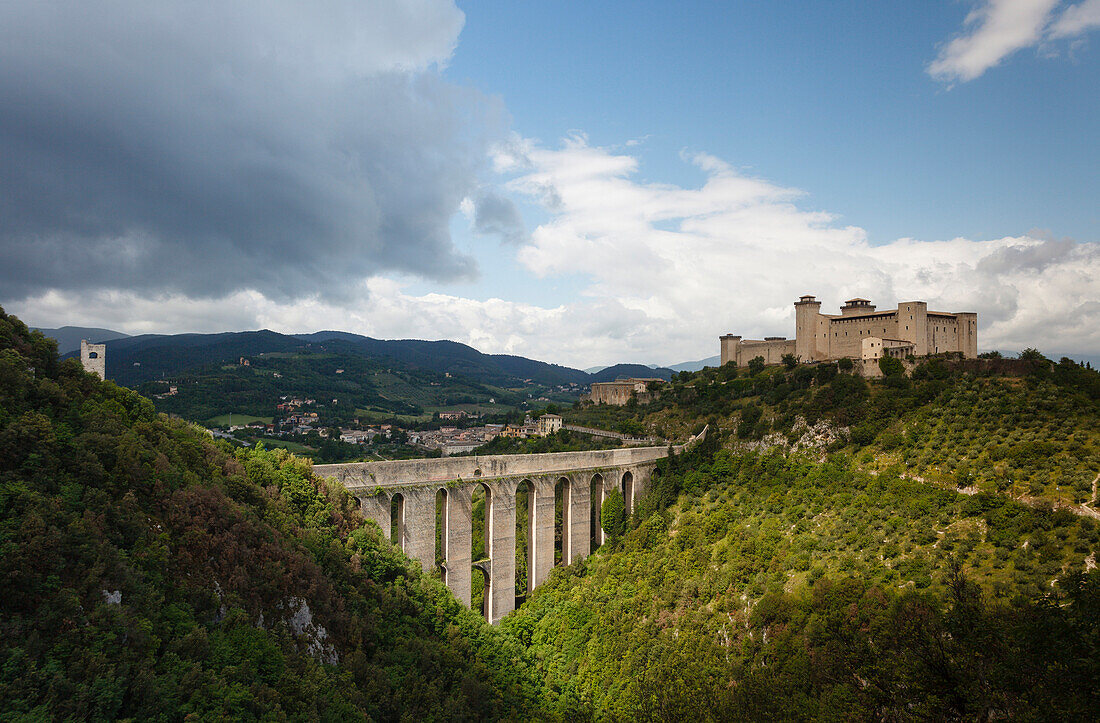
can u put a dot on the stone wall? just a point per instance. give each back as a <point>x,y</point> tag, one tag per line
<point>620,391</point>
<point>742,351</point>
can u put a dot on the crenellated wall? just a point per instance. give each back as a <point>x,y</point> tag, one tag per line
<point>416,484</point>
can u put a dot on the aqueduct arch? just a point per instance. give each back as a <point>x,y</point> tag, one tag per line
<point>415,485</point>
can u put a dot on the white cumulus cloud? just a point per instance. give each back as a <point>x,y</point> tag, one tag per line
<point>995,29</point>
<point>1077,20</point>
<point>735,252</point>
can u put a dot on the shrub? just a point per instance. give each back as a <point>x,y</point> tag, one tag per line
<point>825,372</point>
<point>891,366</point>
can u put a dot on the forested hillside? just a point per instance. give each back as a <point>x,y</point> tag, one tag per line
<point>917,547</point>
<point>137,359</point>
<point>912,548</point>
<point>201,377</point>
<point>1026,428</point>
<point>761,587</point>
<point>148,572</point>
<point>345,385</point>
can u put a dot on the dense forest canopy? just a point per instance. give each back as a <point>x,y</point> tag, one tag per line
<point>756,586</point>
<point>150,572</point>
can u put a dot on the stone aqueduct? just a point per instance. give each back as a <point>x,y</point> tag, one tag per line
<point>415,485</point>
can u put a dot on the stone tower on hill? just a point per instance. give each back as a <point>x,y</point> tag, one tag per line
<point>861,332</point>
<point>94,358</point>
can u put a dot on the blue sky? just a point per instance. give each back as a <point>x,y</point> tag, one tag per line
<point>832,98</point>
<point>583,183</point>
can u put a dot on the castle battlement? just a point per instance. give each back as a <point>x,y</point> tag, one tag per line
<point>860,331</point>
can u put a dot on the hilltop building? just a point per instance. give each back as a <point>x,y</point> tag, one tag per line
<point>861,332</point>
<point>618,392</point>
<point>94,358</point>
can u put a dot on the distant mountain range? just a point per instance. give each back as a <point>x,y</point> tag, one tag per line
<point>68,337</point>
<point>132,360</point>
<point>165,354</point>
<point>694,366</point>
<point>691,366</point>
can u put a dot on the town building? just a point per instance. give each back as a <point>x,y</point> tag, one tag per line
<point>548,424</point>
<point>860,331</point>
<point>512,431</point>
<point>357,436</point>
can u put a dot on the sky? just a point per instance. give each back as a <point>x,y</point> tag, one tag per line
<point>581,183</point>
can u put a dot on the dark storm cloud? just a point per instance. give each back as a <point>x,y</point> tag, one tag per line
<point>495,214</point>
<point>207,147</point>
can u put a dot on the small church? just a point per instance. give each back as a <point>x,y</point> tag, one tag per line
<point>861,331</point>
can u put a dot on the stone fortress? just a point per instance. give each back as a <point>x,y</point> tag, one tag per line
<point>861,332</point>
<point>620,391</point>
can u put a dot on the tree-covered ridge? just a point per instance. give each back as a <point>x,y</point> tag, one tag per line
<point>149,572</point>
<point>345,384</point>
<point>759,586</point>
<point>1025,428</point>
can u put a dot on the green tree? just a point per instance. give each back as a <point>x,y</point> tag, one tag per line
<point>756,365</point>
<point>825,373</point>
<point>789,361</point>
<point>613,515</point>
<point>890,366</point>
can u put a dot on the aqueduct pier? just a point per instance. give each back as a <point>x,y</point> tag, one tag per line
<point>405,494</point>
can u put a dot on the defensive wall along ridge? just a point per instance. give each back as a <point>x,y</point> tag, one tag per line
<point>410,491</point>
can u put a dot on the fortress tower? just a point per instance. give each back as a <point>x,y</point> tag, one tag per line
<point>94,358</point>
<point>806,312</point>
